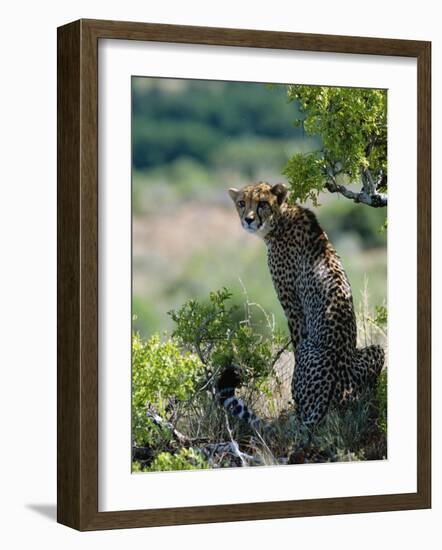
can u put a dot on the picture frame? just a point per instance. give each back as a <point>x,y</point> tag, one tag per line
<point>78,274</point>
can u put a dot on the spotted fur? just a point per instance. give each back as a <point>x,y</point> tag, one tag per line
<point>315,294</point>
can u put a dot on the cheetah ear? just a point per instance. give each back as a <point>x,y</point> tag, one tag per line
<point>233,193</point>
<point>280,190</point>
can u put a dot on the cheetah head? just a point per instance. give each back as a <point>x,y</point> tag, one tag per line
<point>259,206</point>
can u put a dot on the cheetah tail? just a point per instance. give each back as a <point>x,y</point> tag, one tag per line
<point>370,360</point>
<point>226,385</point>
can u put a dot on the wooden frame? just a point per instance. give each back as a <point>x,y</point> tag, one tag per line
<point>77,459</point>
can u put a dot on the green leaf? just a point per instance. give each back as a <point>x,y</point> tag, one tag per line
<point>352,124</point>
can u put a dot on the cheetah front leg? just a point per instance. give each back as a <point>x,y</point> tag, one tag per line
<point>313,383</point>
<point>295,318</point>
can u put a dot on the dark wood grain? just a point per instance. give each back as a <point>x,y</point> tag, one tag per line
<point>68,277</point>
<point>253,38</point>
<point>259,510</point>
<point>424,273</point>
<point>77,224</point>
<point>77,276</point>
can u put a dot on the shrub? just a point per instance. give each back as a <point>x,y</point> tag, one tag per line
<point>216,332</point>
<point>184,459</point>
<point>177,378</point>
<point>161,372</point>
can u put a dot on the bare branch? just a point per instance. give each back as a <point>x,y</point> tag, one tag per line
<point>225,448</point>
<point>382,180</point>
<point>368,194</point>
<point>209,450</point>
<point>374,199</point>
<point>234,445</point>
<point>162,423</point>
<point>280,352</point>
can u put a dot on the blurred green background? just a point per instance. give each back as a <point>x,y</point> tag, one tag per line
<point>191,141</point>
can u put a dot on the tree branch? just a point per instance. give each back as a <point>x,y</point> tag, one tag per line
<point>280,352</point>
<point>209,450</point>
<point>162,423</point>
<point>374,199</point>
<point>229,447</point>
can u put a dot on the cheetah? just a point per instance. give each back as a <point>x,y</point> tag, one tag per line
<point>316,296</point>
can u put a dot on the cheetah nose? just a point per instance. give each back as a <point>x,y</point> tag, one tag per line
<point>248,220</point>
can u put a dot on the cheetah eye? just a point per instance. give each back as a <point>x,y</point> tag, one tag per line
<point>262,204</point>
<point>241,204</point>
